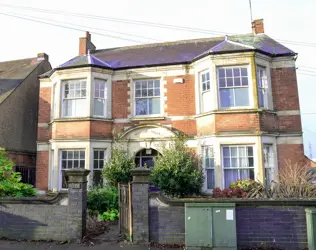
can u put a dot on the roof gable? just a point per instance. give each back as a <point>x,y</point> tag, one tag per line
<point>13,73</point>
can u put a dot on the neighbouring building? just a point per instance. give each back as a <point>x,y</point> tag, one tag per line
<point>236,96</point>
<point>19,95</point>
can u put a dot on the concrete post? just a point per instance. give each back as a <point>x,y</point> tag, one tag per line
<point>140,205</point>
<point>77,202</point>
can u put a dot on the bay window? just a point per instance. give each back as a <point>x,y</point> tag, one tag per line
<point>74,98</point>
<point>98,163</point>
<point>70,159</point>
<point>209,167</point>
<point>147,97</point>
<point>262,87</point>
<point>238,163</point>
<point>205,87</point>
<point>268,161</point>
<point>100,97</point>
<point>233,87</point>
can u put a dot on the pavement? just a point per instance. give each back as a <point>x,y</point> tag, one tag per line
<point>14,245</point>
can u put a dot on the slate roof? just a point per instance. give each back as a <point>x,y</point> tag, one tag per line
<point>167,53</point>
<point>13,73</point>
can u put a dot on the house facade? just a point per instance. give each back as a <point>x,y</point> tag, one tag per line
<point>19,95</point>
<point>236,97</point>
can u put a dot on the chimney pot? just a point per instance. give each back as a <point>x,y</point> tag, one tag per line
<point>42,57</point>
<point>257,26</point>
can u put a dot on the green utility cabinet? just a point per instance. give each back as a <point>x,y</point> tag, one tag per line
<point>311,227</point>
<point>210,226</point>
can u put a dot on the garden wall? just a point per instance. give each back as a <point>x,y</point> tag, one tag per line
<point>59,218</point>
<point>271,223</point>
<point>279,223</point>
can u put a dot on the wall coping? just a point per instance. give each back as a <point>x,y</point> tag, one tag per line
<point>237,201</point>
<point>33,200</point>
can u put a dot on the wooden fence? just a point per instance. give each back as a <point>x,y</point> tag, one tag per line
<point>125,209</point>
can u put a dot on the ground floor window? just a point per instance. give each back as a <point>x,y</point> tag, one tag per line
<point>209,166</point>
<point>70,159</point>
<point>238,163</point>
<point>98,163</point>
<point>268,160</point>
<point>145,158</point>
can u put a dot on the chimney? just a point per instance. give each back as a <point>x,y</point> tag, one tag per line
<point>85,44</point>
<point>257,26</point>
<point>42,57</point>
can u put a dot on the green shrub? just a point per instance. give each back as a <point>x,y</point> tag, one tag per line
<point>10,181</point>
<point>109,215</point>
<point>118,168</point>
<point>175,172</point>
<point>102,199</point>
<point>244,184</point>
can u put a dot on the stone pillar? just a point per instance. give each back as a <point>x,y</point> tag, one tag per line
<point>77,202</point>
<point>140,205</point>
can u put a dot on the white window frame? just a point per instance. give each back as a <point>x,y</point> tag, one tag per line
<point>268,163</point>
<point>63,83</point>
<point>250,95</point>
<point>238,168</point>
<point>208,154</point>
<point>60,163</point>
<point>265,86</point>
<point>160,96</point>
<point>206,91</point>
<point>105,98</point>
<point>98,159</point>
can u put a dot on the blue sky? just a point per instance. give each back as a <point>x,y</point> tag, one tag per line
<point>283,19</point>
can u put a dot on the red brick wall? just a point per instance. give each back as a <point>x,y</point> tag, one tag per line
<point>180,97</point>
<point>268,122</point>
<point>44,105</point>
<point>284,89</point>
<point>71,130</point>
<point>22,159</point>
<point>100,129</point>
<point>44,133</point>
<point>241,122</point>
<point>290,123</point>
<point>120,99</point>
<point>290,152</point>
<point>42,161</point>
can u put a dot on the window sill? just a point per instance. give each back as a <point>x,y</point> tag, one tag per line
<point>68,119</point>
<point>147,118</point>
<point>240,110</point>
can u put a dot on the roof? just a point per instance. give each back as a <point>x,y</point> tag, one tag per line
<point>178,52</point>
<point>13,73</point>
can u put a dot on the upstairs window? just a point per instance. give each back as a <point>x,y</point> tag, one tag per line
<point>100,97</point>
<point>74,98</point>
<point>147,97</point>
<point>205,85</point>
<point>262,87</point>
<point>233,87</point>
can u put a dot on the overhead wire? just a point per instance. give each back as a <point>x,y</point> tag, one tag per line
<point>137,22</point>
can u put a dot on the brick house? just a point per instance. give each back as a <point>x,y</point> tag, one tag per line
<point>19,94</point>
<point>236,96</point>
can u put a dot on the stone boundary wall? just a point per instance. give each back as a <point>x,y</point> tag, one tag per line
<point>59,218</point>
<point>278,223</point>
<point>158,219</point>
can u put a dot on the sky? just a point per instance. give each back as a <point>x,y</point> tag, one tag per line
<point>289,20</point>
